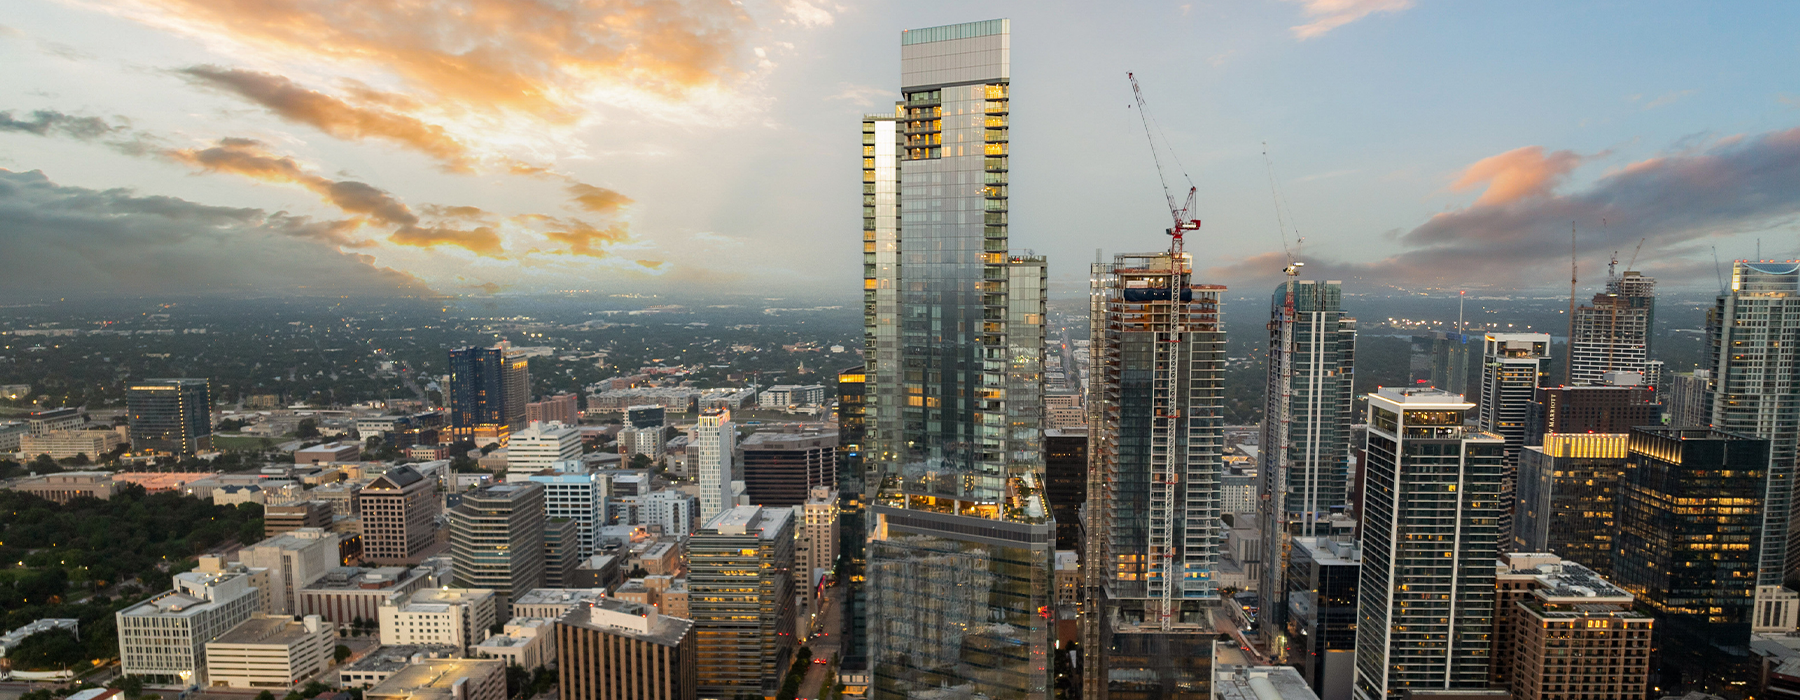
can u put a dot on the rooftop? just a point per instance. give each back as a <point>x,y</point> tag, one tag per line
<point>1261,683</point>
<point>742,520</point>
<point>558,596</point>
<point>434,678</point>
<point>388,659</point>
<point>349,578</point>
<point>270,629</point>
<point>662,629</point>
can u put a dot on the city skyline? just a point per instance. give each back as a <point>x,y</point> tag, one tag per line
<point>689,148</point>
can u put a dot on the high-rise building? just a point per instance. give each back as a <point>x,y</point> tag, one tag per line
<point>1306,430</point>
<point>163,639</point>
<point>577,495</point>
<point>1430,536</point>
<point>1752,356</point>
<point>815,551</point>
<point>497,538</point>
<point>646,416</point>
<point>1321,621</point>
<point>1563,631</point>
<point>619,650</point>
<point>1065,473</point>
<point>1156,445</point>
<point>851,416</point>
<point>740,579</point>
<point>953,326</point>
<point>1613,332</point>
<point>1690,519</point>
<point>561,408</point>
<point>294,561</point>
<point>489,388</point>
<point>1690,399</point>
<point>1513,366</point>
<point>399,510</point>
<point>715,439</point>
<point>540,446</point>
<point>1614,403</point>
<point>562,550</point>
<point>1446,360</point>
<point>1568,493</point>
<point>778,469</point>
<point>170,416</point>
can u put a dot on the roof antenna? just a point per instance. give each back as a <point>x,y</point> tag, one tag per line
<point>1569,366</point>
<point>1717,270</point>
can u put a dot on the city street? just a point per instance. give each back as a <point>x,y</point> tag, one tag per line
<point>825,645</point>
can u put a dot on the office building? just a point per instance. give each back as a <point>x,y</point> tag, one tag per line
<point>715,438</point>
<point>1513,366</point>
<point>573,493</point>
<point>1568,491</point>
<point>163,639</point>
<point>444,679</point>
<point>526,642</point>
<point>1430,535</point>
<point>1306,438</point>
<point>497,538</point>
<point>646,416</point>
<point>1065,482</point>
<point>66,444</point>
<point>288,517</point>
<point>54,419</point>
<point>741,579</point>
<point>541,446</point>
<point>851,417</point>
<point>328,453</point>
<point>953,327</point>
<point>561,408</point>
<point>617,650</point>
<point>1750,334</point>
<point>170,416</point>
<point>67,486</point>
<point>1156,445</point>
<point>399,510</point>
<point>456,617</point>
<point>562,550</point>
<point>1690,517</point>
<point>348,595</point>
<point>1563,631</point>
<point>642,441</point>
<point>1614,403</point>
<point>1690,399</point>
<point>1321,619</point>
<point>1613,332</point>
<point>815,550</point>
<point>489,388</point>
<point>553,602</point>
<point>294,560</point>
<point>1261,683</point>
<point>271,651</point>
<point>789,395</point>
<point>676,512</point>
<point>778,469</point>
<point>382,662</point>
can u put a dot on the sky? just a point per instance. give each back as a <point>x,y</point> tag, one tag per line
<point>712,146</point>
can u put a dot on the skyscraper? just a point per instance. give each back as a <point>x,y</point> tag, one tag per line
<point>1513,366</point>
<point>779,469</point>
<point>497,539</point>
<point>1431,502</point>
<point>1613,332</point>
<point>398,512</point>
<point>1156,446</point>
<point>488,393</point>
<point>715,437</point>
<point>1568,493</point>
<point>1302,483</point>
<point>741,587</point>
<point>959,551</point>
<point>851,413</point>
<point>172,416</point>
<point>1751,358</point>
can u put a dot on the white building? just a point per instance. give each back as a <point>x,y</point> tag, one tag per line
<point>715,437</point>
<point>455,617</point>
<point>63,444</point>
<point>164,638</point>
<point>574,493</point>
<point>527,642</point>
<point>675,511</point>
<point>541,445</point>
<point>785,395</point>
<point>295,560</point>
<point>271,651</point>
<point>816,550</point>
<point>553,602</point>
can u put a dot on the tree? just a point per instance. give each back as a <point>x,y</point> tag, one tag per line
<point>314,688</point>
<point>308,429</point>
<point>518,680</point>
<point>265,695</point>
<point>342,652</point>
<point>129,686</point>
<point>250,532</point>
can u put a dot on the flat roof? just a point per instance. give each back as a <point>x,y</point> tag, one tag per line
<point>667,630</point>
<point>390,658</point>
<point>558,596</point>
<point>434,677</point>
<point>280,630</point>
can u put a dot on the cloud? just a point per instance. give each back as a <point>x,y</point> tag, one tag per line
<point>584,239</point>
<point>598,199</point>
<point>861,95</point>
<point>84,242</point>
<point>1668,99</point>
<point>482,240</point>
<point>1676,203</point>
<point>246,157</point>
<point>48,123</point>
<point>807,14</point>
<point>337,117</point>
<point>652,264</point>
<point>1517,174</point>
<point>1327,15</point>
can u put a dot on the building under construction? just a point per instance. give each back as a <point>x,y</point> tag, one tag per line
<point>1156,438</point>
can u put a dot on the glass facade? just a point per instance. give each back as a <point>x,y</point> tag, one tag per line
<point>489,388</point>
<point>172,416</point>
<point>960,535</point>
<point>1567,495</point>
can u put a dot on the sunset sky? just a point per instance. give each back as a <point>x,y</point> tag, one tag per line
<point>481,146</point>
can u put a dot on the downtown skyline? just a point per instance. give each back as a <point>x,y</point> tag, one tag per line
<point>186,147</point>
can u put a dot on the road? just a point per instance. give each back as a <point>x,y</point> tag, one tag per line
<point>825,645</point>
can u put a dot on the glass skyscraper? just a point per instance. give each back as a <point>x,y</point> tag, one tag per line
<point>960,535</point>
<point>172,416</point>
<point>489,388</point>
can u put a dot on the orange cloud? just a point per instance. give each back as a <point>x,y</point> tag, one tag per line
<point>652,264</point>
<point>1330,14</point>
<point>246,157</point>
<point>598,199</point>
<point>334,116</point>
<point>583,239</point>
<point>1517,174</point>
<point>481,240</point>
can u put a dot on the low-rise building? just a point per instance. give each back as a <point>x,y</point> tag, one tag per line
<point>553,602</point>
<point>293,516</point>
<point>63,444</point>
<point>328,453</point>
<point>164,639</point>
<point>1260,683</point>
<point>526,642</point>
<point>1068,577</point>
<point>617,650</point>
<point>347,595</point>
<point>598,571</point>
<point>294,559</point>
<point>455,616</point>
<point>444,679</point>
<point>271,651</point>
<point>384,661</point>
<point>69,486</point>
<point>13,638</point>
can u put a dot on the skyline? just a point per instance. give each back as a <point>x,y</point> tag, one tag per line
<point>186,147</point>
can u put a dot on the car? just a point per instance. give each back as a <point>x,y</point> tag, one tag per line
<point>820,661</point>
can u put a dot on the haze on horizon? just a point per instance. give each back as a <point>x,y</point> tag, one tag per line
<point>702,146</point>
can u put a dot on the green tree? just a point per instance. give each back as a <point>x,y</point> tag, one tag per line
<point>340,653</point>
<point>250,532</point>
<point>308,429</point>
<point>265,695</point>
<point>129,686</point>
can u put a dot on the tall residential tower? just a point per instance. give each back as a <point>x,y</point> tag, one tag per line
<point>1612,334</point>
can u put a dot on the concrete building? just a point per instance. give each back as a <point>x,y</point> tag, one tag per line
<point>497,538</point>
<point>789,395</point>
<point>1152,548</point>
<point>573,492</point>
<point>384,661</point>
<point>285,518</point>
<point>616,650</point>
<point>553,602</point>
<point>1321,622</point>
<point>1614,403</point>
<point>164,639</point>
<point>346,595</point>
<point>65,444</point>
<point>444,679</point>
<point>815,551</point>
<point>1431,501</point>
<point>675,512</point>
<point>399,510</point>
<point>526,642</point>
<point>599,571</point>
<point>1513,366</point>
<point>560,408</point>
<point>328,453</point>
<point>1261,683</point>
<point>741,577</point>
<point>541,446</point>
<point>1690,399</point>
<point>455,617</point>
<point>562,550</point>
<point>1568,632</point>
<point>715,440</point>
<point>1068,577</point>
<point>779,468</point>
<point>1613,333</point>
<point>271,651</point>
<point>68,486</point>
<point>295,560</point>
<point>170,416</point>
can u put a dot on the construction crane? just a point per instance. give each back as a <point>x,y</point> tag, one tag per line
<point>1169,442</point>
<point>1274,502</point>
